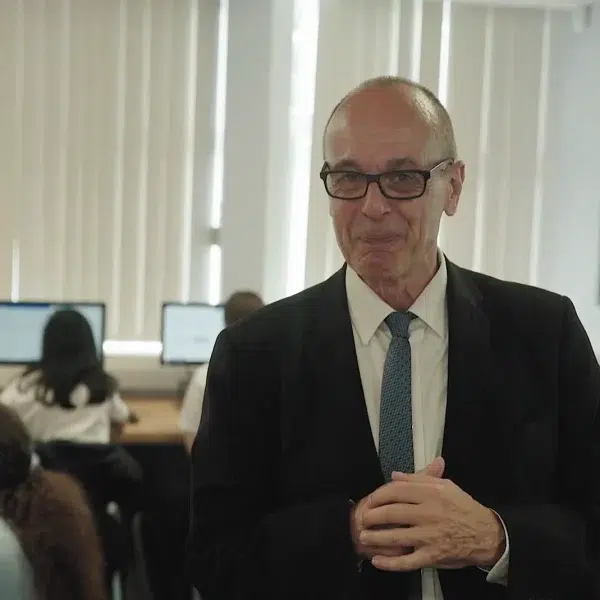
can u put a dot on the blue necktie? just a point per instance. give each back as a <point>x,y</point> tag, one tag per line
<point>395,422</point>
<point>396,451</point>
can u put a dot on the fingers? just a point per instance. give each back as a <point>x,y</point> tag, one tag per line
<point>406,490</point>
<point>390,551</point>
<point>393,537</point>
<point>419,559</point>
<point>416,478</point>
<point>393,514</point>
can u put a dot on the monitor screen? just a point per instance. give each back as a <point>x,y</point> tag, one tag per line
<point>22,327</point>
<point>189,332</point>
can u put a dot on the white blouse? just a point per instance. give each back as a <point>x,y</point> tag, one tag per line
<point>86,423</point>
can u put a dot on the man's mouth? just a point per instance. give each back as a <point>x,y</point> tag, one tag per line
<point>379,240</point>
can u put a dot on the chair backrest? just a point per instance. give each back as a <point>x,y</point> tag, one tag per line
<point>16,576</point>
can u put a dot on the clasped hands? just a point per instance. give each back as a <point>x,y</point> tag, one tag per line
<point>420,520</point>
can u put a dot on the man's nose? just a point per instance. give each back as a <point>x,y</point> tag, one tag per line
<point>375,204</point>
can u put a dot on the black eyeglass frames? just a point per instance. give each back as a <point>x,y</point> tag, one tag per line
<point>396,184</point>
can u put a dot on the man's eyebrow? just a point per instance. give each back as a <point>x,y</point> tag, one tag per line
<point>346,163</point>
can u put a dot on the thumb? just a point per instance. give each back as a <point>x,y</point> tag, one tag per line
<point>434,469</point>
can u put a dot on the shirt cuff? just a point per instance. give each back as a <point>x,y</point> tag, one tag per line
<point>499,572</point>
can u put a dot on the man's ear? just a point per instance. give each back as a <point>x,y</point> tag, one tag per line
<point>457,179</point>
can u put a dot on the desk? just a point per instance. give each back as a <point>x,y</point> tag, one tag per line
<point>158,421</point>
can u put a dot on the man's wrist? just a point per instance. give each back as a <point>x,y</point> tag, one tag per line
<point>494,543</point>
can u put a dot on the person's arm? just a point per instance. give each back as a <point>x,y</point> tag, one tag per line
<point>243,543</point>
<point>191,408</point>
<point>555,548</point>
<point>119,411</point>
<point>188,441</point>
<point>498,573</point>
<point>9,395</point>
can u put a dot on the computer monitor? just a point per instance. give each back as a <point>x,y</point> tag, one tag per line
<point>189,332</point>
<point>22,327</point>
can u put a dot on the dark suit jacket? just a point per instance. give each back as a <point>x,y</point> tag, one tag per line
<point>285,442</point>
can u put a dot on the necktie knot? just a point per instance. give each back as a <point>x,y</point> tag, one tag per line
<point>398,323</point>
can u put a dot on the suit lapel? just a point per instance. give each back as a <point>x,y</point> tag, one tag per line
<point>475,433</point>
<point>333,360</point>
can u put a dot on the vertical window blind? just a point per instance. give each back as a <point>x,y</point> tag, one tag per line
<point>106,125</point>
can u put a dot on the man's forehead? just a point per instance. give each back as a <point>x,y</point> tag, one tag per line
<point>375,125</point>
<point>374,139</point>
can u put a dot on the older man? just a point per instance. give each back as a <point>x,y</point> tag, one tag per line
<point>407,429</point>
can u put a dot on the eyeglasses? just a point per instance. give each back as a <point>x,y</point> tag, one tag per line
<point>398,184</point>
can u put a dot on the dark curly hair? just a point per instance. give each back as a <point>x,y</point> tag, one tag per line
<point>51,518</point>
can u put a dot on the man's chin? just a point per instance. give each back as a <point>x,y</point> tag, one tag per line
<point>379,266</point>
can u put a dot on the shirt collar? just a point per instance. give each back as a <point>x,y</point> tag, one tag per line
<point>368,310</point>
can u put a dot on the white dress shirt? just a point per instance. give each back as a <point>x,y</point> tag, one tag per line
<point>428,334</point>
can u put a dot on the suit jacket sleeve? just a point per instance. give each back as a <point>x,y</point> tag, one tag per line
<point>554,547</point>
<point>242,544</point>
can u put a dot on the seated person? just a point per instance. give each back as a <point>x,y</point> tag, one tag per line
<point>49,516</point>
<point>67,395</point>
<point>238,306</point>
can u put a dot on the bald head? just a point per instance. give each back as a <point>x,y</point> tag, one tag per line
<point>420,104</point>
<point>391,173</point>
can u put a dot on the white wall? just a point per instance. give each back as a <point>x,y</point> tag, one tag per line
<point>570,232</point>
